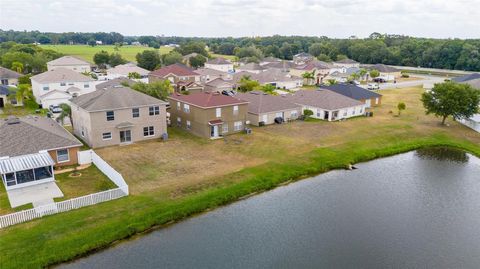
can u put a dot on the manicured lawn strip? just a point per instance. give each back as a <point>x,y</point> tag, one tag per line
<point>69,235</point>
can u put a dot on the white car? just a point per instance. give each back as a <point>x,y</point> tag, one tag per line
<point>373,86</point>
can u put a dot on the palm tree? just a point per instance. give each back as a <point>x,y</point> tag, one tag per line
<point>17,66</point>
<point>66,112</point>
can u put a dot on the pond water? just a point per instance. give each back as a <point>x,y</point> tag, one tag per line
<point>418,209</point>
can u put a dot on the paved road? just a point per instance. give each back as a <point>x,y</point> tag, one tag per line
<point>424,79</point>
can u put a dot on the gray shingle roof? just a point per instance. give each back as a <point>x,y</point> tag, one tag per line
<point>114,82</point>
<point>347,61</point>
<point>61,75</point>
<point>384,68</point>
<point>265,103</point>
<point>68,60</point>
<point>324,99</point>
<point>7,73</point>
<point>251,66</point>
<point>114,98</point>
<point>352,91</point>
<point>218,60</point>
<point>125,69</point>
<point>33,134</point>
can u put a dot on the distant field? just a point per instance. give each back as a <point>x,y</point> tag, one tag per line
<point>229,57</point>
<point>86,52</point>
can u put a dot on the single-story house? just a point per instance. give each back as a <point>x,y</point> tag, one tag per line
<point>220,64</point>
<point>118,115</point>
<point>278,78</point>
<point>302,58</point>
<point>8,77</point>
<point>388,73</point>
<point>270,60</point>
<point>29,158</point>
<point>264,108</point>
<point>347,63</point>
<point>219,85</point>
<point>125,70</point>
<point>369,98</point>
<point>208,114</point>
<point>327,105</point>
<point>70,62</point>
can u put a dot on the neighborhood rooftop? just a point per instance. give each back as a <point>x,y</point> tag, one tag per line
<point>260,102</point>
<point>61,75</point>
<point>346,61</point>
<point>115,82</point>
<point>175,69</point>
<point>322,98</point>
<point>207,99</point>
<point>126,69</point>
<point>37,134</point>
<point>7,73</point>
<point>114,98</point>
<point>352,91</point>
<point>68,60</point>
<point>219,60</point>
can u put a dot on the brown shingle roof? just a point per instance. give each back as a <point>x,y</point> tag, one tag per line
<point>207,99</point>
<point>176,69</point>
<point>260,102</point>
<point>33,134</point>
<point>324,99</point>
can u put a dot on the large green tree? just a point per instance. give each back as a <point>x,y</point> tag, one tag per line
<point>101,58</point>
<point>148,59</point>
<point>246,84</point>
<point>451,99</point>
<point>171,58</point>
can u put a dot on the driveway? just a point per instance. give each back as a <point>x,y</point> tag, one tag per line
<point>38,195</point>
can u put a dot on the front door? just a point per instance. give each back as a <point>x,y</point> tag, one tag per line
<point>125,136</point>
<point>214,131</point>
<point>2,104</point>
<point>325,115</point>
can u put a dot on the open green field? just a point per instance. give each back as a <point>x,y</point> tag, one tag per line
<point>86,52</point>
<point>186,175</point>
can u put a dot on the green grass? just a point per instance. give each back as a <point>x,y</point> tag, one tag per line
<point>229,57</point>
<point>86,52</point>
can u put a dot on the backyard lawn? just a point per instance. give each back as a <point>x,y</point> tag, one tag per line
<point>86,52</point>
<point>186,175</point>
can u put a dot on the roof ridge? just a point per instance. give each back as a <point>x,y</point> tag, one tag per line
<point>48,131</point>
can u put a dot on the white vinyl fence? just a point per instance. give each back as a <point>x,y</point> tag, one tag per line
<point>91,199</point>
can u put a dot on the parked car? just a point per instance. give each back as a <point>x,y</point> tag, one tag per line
<point>55,109</point>
<point>379,80</point>
<point>373,86</point>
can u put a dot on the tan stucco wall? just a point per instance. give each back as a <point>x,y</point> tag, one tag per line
<point>72,152</point>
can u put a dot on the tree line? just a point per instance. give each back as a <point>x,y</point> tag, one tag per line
<point>460,54</point>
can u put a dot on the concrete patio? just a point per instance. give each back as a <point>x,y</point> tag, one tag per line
<point>38,195</point>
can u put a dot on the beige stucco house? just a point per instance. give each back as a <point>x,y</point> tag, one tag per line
<point>118,115</point>
<point>70,62</point>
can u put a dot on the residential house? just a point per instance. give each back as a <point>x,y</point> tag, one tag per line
<point>283,65</point>
<point>70,62</point>
<point>118,115</point>
<point>207,74</point>
<point>269,60</point>
<point>59,85</point>
<point>342,76</point>
<point>473,80</point>
<point>219,85</point>
<point>253,68</point>
<point>387,73</point>
<point>28,159</point>
<point>369,98</point>
<point>278,78</point>
<point>220,64</point>
<point>8,77</point>
<point>208,114</point>
<point>175,73</point>
<point>126,70</point>
<point>189,86</point>
<point>327,105</point>
<point>8,96</point>
<point>319,70</point>
<point>121,81</point>
<point>264,108</point>
<point>302,58</point>
<point>348,63</point>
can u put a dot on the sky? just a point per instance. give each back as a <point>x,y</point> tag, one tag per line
<point>222,18</point>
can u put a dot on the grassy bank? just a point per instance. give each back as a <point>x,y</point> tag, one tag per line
<point>65,236</point>
<point>169,180</point>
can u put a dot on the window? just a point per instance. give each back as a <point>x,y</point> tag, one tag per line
<point>62,155</point>
<point>46,88</point>
<point>63,84</point>
<point>353,111</point>
<point>154,110</point>
<point>107,136</point>
<point>43,172</point>
<point>235,110</point>
<point>237,126</point>
<point>71,83</point>
<point>218,112</point>
<point>86,85</point>
<point>135,112</point>
<point>186,108</point>
<point>179,121</point>
<point>361,110</point>
<point>345,113</point>
<point>294,114</point>
<point>25,176</point>
<point>178,106</point>
<point>376,101</point>
<point>10,179</point>
<point>189,125</point>
<point>148,131</point>
<point>110,115</point>
<point>225,128</point>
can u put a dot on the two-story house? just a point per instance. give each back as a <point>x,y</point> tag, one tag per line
<point>70,62</point>
<point>208,114</point>
<point>59,85</point>
<point>8,77</point>
<point>183,78</point>
<point>220,64</point>
<point>118,115</point>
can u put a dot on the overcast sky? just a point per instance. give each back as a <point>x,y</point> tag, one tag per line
<point>214,18</point>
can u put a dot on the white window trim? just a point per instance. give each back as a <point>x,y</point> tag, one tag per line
<point>68,155</point>
<point>105,139</point>
<point>218,112</point>
<point>148,130</point>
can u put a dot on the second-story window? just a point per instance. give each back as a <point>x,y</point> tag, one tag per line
<point>178,106</point>
<point>154,110</point>
<point>135,112</point>
<point>186,108</point>
<point>218,112</point>
<point>235,110</point>
<point>110,115</point>
<point>63,84</point>
<point>46,88</point>
<point>86,85</point>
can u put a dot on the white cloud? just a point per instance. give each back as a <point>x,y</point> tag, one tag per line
<point>335,18</point>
